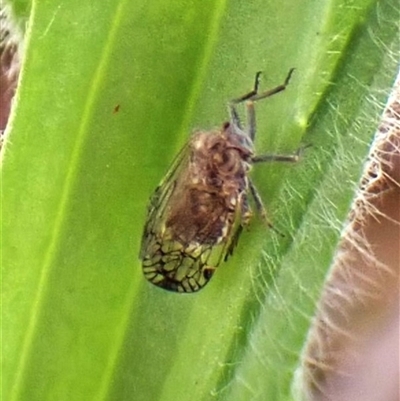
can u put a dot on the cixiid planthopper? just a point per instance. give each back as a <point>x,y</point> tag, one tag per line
<point>197,213</point>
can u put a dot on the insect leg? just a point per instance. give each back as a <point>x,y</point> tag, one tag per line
<point>275,158</point>
<point>253,96</point>
<point>235,120</point>
<point>258,96</point>
<point>258,202</point>
<point>250,94</point>
<point>251,115</point>
<point>260,207</point>
<point>294,158</point>
<point>232,109</point>
<point>251,120</point>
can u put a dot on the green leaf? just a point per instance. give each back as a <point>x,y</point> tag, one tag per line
<point>109,91</point>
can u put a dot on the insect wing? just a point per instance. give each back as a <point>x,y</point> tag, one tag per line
<point>166,262</point>
<point>159,201</point>
<point>169,263</point>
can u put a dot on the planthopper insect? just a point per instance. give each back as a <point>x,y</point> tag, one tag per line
<point>198,212</point>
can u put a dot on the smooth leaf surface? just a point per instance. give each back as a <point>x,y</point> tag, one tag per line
<point>109,92</point>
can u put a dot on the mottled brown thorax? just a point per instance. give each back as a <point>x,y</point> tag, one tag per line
<point>207,193</point>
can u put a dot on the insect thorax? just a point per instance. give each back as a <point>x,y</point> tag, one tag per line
<point>211,189</point>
